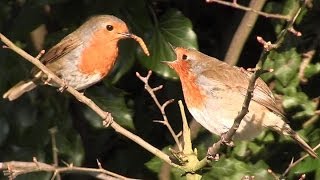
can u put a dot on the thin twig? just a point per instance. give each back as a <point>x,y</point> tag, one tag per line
<point>162,107</point>
<point>306,59</point>
<point>53,132</point>
<point>242,33</point>
<point>103,114</point>
<point>234,4</point>
<point>293,164</point>
<point>16,168</point>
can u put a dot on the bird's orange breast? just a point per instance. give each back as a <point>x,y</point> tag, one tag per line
<point>193,95</point>
<point>100,55</point>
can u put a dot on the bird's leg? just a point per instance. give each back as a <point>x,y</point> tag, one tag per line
<point>107,120</point>
<point>46,80</point>
<point>64,87</point>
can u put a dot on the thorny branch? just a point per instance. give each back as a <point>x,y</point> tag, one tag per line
<point>267,47</point>
<point>162,107</point>
<point>235,4</point>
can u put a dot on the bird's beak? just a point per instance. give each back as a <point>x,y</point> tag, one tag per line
<point>138,39</point>
<point>169,63</point>
<point>126,35</point>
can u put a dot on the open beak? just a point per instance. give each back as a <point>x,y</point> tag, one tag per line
<point>169,63</point>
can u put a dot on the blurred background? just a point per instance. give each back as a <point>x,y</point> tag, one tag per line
<point>81,139</point>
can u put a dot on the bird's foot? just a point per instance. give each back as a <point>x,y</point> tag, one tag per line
<point>226,140</point>
<point>47,80</point>
<point>64,87</point>
<point>108,120</point>
<point>212,156</point>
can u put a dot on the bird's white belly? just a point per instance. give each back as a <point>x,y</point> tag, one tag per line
<point>79,80</point>
<point>217,123</point>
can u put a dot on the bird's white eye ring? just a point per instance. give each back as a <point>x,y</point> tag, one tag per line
<point>184,57</point>
<point>109,27</point>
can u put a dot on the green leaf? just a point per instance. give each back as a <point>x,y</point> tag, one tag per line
<point>241,148</point>
<point>234,169</point>
<point>311,70</point>
<point>307,165</point>
<point>172,28</point>
<point>154,164</point>
<point>286,66</point>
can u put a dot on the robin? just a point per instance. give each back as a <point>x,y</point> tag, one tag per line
<point>214,93</point>
<point>82,58</point>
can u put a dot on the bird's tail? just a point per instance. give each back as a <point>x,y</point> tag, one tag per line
<point>19,89</point>
<point>302,143</point>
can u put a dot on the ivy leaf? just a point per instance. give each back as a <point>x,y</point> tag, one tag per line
<point>287,67</point>
<point>307,165</point>
<point>172,29</point>
<point>311,70</point>
<point>234,169</point>
<point>155,163</point>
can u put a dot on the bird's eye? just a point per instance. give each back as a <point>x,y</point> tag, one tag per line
<point>109,27</point>
<point>184,57</point>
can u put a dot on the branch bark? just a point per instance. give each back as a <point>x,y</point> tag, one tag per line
<point>234,4</point>
<point>104,115</point>
<point>241,35</point>
<point>16,168</point>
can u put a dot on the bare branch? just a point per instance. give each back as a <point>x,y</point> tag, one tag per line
<point>268,46</point>
<point>162,107</point>
<point>306,59</point>
<point>293,164</point>
<point>53,132</point>
<point>227,138</point>
<point>16,168</point>
<point>242,33</point>
<point>107,118</point>
<point>234,4</point>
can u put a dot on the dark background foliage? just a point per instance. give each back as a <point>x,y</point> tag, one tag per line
<point>81,139</point>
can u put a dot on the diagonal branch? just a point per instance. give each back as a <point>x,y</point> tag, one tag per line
<point>226,138</point>
<point>107,118</point>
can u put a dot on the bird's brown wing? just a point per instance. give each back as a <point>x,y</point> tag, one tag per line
<point>261,94</point>
<point>65,46</point>
<point>238,79</point>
